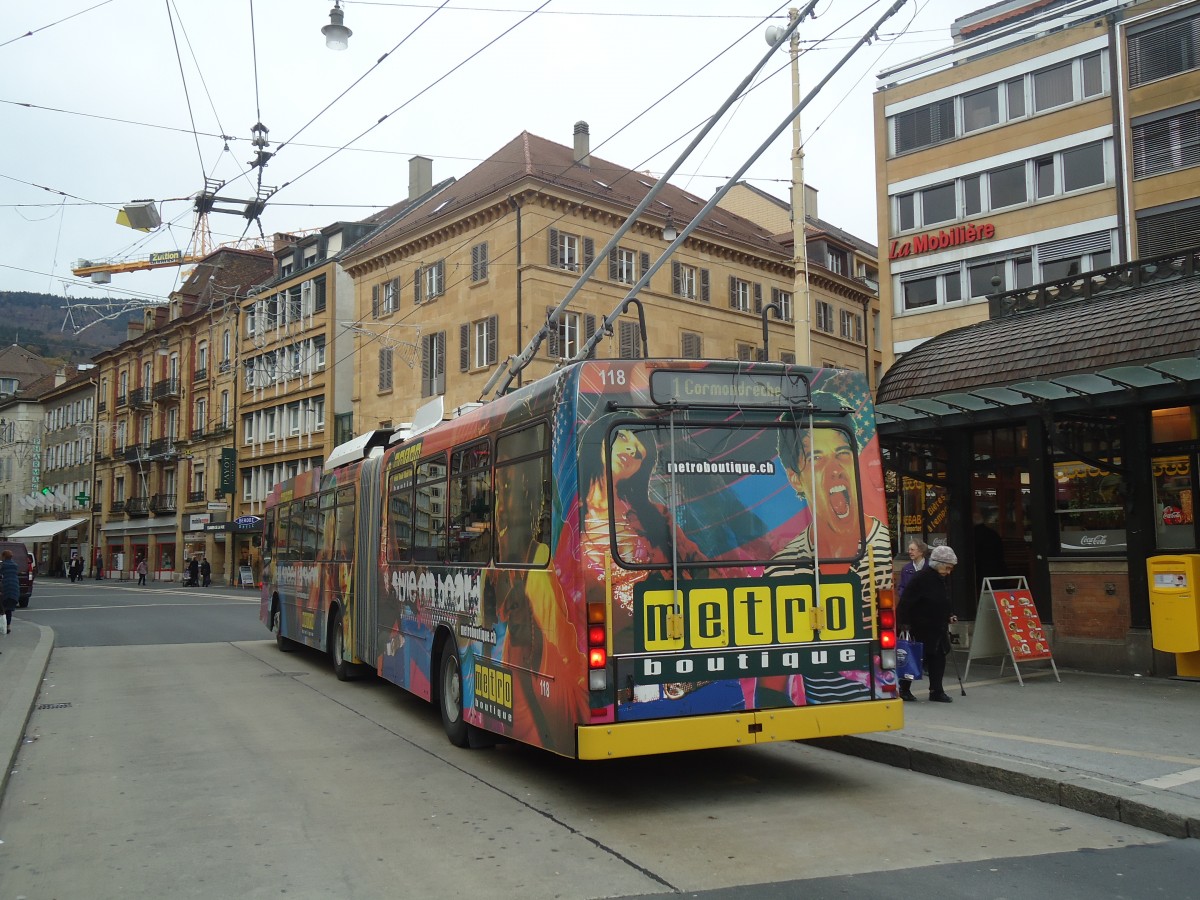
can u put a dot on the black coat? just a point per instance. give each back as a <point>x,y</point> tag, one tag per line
<point>925,605</point>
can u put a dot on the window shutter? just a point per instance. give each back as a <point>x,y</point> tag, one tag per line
<point>426,364</point>
<point>440,268</point>
<point>554,247</point>
<point>439,362</point>
<point>627,342</point>
<point>552,336</point>
<point>589,251</point>
<point>732,292</point>
<point>1166,232</point>
<point>692,346</point>
<point>704,296</point>
<point>758,304</point>
<point>643,263</point>
<point>375,301</point>
<point>612,264</point>
<point>589,330</point>
<point>493,328</point>
<point>676,279</point>
<point>417,285</point>
<point>475,254</point>
<point>464,348</point>
<point>396,282</point>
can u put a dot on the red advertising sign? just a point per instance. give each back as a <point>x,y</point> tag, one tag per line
<point>1022,625</point>
<point>942,239</point>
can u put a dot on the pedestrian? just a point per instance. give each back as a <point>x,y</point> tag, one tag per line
<point>925,613</point>
<point>194,572</point>
<point>10,587</point>
<point>142,568</point>
<point>99,565</point>
<point>918,555</point>
<point>205,571</point>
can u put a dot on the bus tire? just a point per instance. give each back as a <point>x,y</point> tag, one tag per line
<point>277,626</point>
<point>337,649</point>
<point>450,692</point>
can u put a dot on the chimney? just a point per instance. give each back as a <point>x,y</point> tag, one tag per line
<point>583,144</point>
<point>420,176</point>
<point>810,202</point>
<point>133,329</point>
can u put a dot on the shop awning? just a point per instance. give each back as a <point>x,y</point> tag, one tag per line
<point>1138,347</point>
<point>39,531</point>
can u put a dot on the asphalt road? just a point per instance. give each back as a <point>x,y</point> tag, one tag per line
<point>219,767</point>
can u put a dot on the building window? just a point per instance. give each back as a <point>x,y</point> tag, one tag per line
<point>1166,143</point>
<point>433,364</point>
<point>385,369</point>
<point>479,262</point>
<point>434,279</point>
<point>691,345</point>
<point>783,303</point>
<point>689,282</point>
<point>930,289</point>
<point>981,108</point>
<point>568,335</point>
<point>483,342</point>
<point>851,326</point>
<point>622,265</point>
<point>825,316</point>
<point>923,127</point>
<point>385,297</point>
<point>1166,50</point>
<point>837,260</point>
<point>565,250</point>
<point>1006,186</point>
<point>1164,229</point>
<point>739,294</point>
<point>1052,87</point>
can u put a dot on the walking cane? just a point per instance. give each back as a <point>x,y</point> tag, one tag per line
<point>955,661</point>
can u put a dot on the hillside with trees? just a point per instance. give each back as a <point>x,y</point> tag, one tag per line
<point>39,322</point>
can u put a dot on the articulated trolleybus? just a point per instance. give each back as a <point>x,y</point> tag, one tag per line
<point>624,557</point>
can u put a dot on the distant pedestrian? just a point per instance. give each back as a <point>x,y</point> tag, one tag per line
<point>142,568</point>
<point>918,555</point>
<point>193,571</point>
<point>10,588</point>
<point>205,571</point>
<point>99,566</point>
<point>76,569</point>
<point>925,612</point>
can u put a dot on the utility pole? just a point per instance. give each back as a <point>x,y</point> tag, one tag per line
<point>803,302</point>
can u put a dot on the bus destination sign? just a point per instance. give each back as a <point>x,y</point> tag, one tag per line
<point>743,389</point>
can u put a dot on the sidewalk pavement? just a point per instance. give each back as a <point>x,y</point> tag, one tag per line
<point>1120,747</point>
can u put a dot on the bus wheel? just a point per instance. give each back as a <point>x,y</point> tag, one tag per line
<point>277,626</point>
<point>450,688</point>
<point>342,669</point>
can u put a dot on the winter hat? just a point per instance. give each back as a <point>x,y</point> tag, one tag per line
<point>944,555</point>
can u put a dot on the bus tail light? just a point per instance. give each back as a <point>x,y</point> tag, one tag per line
<point>597,635</point>
<point>886,618</point>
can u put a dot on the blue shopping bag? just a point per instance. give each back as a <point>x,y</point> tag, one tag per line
<point>909,655</point>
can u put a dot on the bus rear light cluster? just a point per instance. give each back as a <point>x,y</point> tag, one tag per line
<point>597,634</point>
<point>887,628</point>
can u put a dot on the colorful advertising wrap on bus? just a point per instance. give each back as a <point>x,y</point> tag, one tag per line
<point>624,541</point>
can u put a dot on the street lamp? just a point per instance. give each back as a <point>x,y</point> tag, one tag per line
<point>337,35</point>
<point>799,244</point>
<point>766,339</point>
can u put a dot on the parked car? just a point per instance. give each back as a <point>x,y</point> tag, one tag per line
<point>24,560</point>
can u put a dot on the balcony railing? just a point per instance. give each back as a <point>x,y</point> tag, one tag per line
<point>101,454</point>
<point>198,433</point>
<point>225,366</point>
<point>195,496</point>
<point>168,388</point>
<point>116,508</point>
<point>163,503</point>
<point>137,506</point>
<point>134,454</point>
<point>163,447</point>
<point>200,374</point>
<point>139,398</point>
<point>121,398</point>
<point>97,506</point>
<point>102,406</point>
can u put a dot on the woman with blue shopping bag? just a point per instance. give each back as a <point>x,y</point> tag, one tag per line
<point>925,613</point>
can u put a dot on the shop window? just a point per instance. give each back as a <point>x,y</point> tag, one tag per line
<point>1169,425</point>
<point>1089,504</point>
<point>1173,513</point>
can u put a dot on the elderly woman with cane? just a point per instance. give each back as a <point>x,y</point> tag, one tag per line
<point>925,611</point>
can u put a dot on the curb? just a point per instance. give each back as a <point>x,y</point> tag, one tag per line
<point>14,715</point>
<point>1129,804</point>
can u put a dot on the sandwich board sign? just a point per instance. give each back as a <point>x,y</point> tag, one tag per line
<point>1007,625</point>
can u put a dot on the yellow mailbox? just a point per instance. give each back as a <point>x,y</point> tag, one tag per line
<point>1175,609</point>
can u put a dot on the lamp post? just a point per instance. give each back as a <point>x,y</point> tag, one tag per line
<point>766,338</point>
<point>799,245</point>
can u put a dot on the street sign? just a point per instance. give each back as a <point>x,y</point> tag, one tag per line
<point>217,506</point>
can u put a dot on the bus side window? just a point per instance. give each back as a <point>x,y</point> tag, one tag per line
<point>429,512</point>
<point>471,505</point>
<point>522,511</point>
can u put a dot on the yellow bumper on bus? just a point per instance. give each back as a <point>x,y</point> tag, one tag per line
<point>741,729</point>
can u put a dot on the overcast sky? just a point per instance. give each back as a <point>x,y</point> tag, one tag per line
<point>98,107</point>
